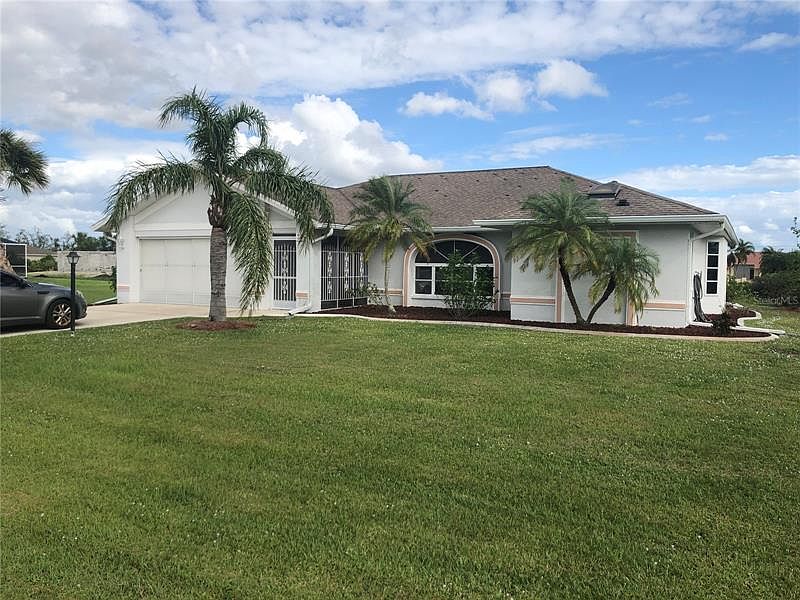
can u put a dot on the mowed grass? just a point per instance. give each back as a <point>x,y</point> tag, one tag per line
<point>92,289</point>
<point>339,458</point>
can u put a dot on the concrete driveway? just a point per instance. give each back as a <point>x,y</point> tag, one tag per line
<point>120,314</point>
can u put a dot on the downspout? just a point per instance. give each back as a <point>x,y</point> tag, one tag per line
<point>307,306</point>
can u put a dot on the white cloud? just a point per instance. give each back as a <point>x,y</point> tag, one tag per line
<point>635,122</point>
<point>326,134</point>
<point>503,91</point>
<point>69,63</point>
<point>29,136</point>
<point>771,41</point>
<point>441,103</point>
<point>700,119</point>
<point>569,79</point>
<point>555,143</point>
<point>677,99</point>
<point>716,137</point>
<point>766,171</point>
<point>763,218</point>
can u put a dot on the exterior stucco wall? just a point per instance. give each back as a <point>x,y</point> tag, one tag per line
<point>711,303</point>
<point>535,296</point>
<point>183,217</point>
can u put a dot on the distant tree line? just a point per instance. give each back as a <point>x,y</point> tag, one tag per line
<point>79,241</point>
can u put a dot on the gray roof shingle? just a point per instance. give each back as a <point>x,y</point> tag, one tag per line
<point>458,198</point>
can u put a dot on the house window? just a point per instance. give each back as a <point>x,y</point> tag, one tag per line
<point>712,268</point>
<point>429,271</point>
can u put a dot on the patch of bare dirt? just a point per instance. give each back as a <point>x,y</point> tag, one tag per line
<point>206,325</point>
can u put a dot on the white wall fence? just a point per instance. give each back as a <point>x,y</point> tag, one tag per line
<point>89,262</point>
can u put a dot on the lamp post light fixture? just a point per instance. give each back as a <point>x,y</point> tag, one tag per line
<point>73,258</point>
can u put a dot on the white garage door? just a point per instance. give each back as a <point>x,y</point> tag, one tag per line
<point>175,271</point>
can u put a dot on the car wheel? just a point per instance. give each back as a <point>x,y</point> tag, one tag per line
<point>59,314</point>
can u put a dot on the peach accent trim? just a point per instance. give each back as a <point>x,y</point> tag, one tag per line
<point>524,300</point>
<point>666,305</point>
<point>123,286</point>
<point>301,294</point>
<point>466,237</point>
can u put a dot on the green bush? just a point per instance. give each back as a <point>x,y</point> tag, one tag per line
<point>467,289</point>
<point>722,325</point>
<point>775,262</point>
<point>781,288</point>
<point>46,263</point>
<point>740,291</point>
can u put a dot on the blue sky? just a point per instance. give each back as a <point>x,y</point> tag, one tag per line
<point>697,101</point>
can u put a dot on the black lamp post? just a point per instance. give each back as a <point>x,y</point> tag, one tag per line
<point>72,257</point>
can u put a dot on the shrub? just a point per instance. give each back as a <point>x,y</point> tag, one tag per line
<point>371,292</point>
<point>46,263</point>
<point>781,288</point>
<point>740,291</point>
<point>722,325</point>
<point>467,290</point>
<point>113,281</point>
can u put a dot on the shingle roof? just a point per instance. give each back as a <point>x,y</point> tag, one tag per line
<point>458,198</point>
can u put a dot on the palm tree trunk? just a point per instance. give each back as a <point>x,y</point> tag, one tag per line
<point>386,286</point>
<point>612,284</point>
<point>217,310</point>
<point>570,294</point>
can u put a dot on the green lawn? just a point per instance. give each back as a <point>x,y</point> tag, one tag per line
<point>339,458</point>
<point>93,289</point>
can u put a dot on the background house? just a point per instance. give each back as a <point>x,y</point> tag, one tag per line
<point>748,270</point>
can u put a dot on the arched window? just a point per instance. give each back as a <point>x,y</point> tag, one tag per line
<point>429,270</point>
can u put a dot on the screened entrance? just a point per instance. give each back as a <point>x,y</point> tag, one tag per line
<point>344,274</point>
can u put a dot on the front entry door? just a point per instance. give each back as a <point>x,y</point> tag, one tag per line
<point>284,282</point>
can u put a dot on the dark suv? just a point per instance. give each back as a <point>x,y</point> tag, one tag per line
<point>23,302</point>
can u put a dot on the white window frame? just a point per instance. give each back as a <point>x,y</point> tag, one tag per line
<point>708,267</point>
<point>433,295</point>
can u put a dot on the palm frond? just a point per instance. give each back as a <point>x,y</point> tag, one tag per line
<point>293,187</point>
<point>252,117</point>
<point>565,223</point>
<point>22,165</point>
<point>250,238</point>
<point>171,176</point>
<point>383,213</point>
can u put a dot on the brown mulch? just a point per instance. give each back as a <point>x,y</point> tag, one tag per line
<point>206,325</point>
<point>504,317</point>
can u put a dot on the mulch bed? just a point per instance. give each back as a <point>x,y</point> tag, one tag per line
<point>206,325</point>
<point>504,317</point>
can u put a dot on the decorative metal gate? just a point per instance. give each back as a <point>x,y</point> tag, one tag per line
<point>284,282</point>
<point>344,274</point>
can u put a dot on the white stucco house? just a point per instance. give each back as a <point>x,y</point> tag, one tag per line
<point>163,250</point>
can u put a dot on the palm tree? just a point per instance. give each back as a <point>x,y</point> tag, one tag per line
<point>741,251</point>
<point>237,183</point>
<point>21,164</point>
<point>383,214</point>
<point>625,268</point>
<point>561,234</point>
